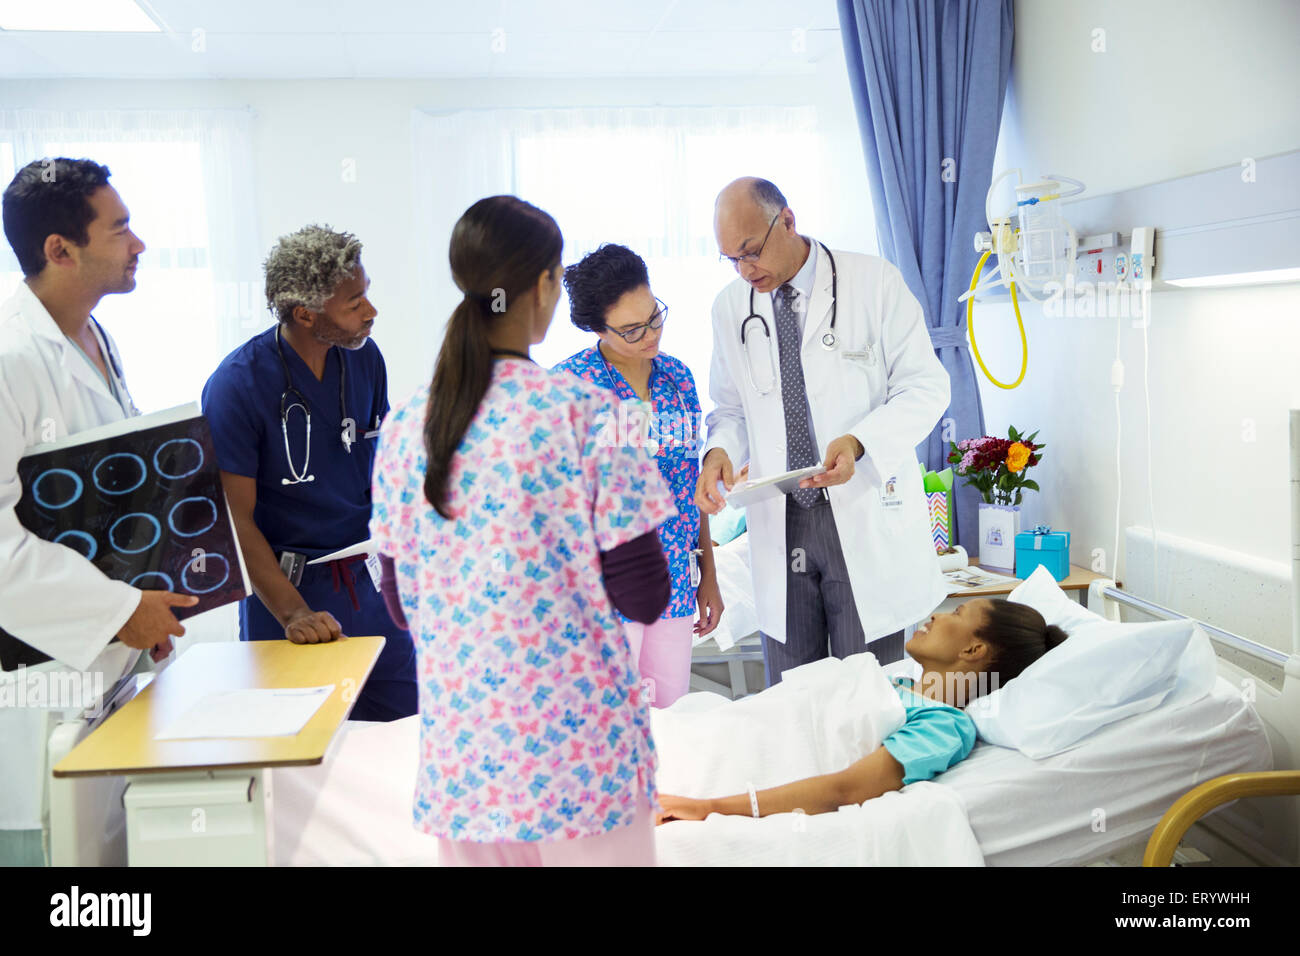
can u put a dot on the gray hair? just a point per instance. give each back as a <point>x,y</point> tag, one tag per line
<point>770,199</point>
<point>305,267</point>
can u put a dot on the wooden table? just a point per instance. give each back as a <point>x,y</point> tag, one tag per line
<point>1076,585</point>
<point>204,802</point>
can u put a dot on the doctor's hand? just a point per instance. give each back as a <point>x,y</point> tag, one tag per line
<point>715,467</point>
<point>840,457</point>
<point>306,626</point>
<point>153,621</point>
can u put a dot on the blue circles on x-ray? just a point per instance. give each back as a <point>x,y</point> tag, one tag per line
<point>190,517</point>
<point>57,488</point>
<point>85,544</point>
<point>119,473</point>
<point>151,581</point>
<point>200,582</point>
<point>132,532</point>
<point>178,458</point>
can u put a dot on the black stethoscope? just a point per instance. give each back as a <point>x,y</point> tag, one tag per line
<point>828,339</point>
<point>291,398</point>
<point>118,378</point>
<point>111,355</point>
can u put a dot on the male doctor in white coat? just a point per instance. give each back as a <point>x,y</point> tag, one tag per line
<point>836,368</point>
<point>60,374</point>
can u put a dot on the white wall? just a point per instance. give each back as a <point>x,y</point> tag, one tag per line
<point>305,130</point>
<point>1221,83</point>
<point>1182,86</point>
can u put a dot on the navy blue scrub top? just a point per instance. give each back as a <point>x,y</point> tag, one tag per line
<point>242,404</point>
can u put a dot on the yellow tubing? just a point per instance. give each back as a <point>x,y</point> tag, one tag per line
<point>970,328</point>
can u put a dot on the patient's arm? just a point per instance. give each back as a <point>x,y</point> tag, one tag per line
<point>874,774</point>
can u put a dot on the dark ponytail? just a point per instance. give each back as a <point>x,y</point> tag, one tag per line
<point>1018,635</point>
<point>499,248</point>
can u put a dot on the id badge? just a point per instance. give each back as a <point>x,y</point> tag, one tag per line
<point>889,494</point>
<point>695,569</point>
<point>375,569</point>
<point>292,564</point>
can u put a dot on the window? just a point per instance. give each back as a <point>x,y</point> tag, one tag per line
<point>182,317</point>
<point>645,178</point>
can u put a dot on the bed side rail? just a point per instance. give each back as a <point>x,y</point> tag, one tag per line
<point>1200,800</point>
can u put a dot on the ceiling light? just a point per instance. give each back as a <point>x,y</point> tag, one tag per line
<point>1238,278</point>
<point>80,16</point>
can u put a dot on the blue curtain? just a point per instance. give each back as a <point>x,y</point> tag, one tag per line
<point>928,79</point>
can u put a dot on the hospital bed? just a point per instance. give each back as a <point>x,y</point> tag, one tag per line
<point>1091,804</point>
<point>1096,803</point>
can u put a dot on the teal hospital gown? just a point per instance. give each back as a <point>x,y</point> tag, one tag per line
<point>933,737</point>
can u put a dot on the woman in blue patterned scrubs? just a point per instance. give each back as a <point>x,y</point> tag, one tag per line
<point>609,295</point>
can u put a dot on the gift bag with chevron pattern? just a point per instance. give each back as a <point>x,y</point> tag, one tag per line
<point>938,493</point>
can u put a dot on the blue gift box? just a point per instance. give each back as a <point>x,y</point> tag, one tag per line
<point>1046,547</point>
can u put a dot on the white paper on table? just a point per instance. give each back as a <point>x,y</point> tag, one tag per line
<point>258,712</point>
<point>965,579</point>
<point>367,547</point>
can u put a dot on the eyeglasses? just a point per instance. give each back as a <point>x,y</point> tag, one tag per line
<point>637,332</point>
<point>753,256</point>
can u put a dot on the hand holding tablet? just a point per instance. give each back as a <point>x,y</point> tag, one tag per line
<point>743,494</point>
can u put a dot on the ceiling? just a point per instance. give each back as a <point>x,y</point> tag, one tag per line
<point>291,39</point>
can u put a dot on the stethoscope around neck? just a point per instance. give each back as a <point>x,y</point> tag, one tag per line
<point>679,406</point>
<point>290,399</point>
<point>829,342</point>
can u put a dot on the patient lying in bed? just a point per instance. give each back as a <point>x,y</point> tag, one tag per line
<point>962,655</point>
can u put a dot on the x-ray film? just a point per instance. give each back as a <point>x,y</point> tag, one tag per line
<point>142,500</point>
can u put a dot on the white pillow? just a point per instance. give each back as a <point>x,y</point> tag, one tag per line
<point>1104,671</point>
<point>1041,592</point>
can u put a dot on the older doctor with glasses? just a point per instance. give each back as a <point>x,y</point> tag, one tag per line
<point>822,357</point>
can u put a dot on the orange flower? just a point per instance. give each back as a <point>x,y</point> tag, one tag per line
<point>1017,457</point>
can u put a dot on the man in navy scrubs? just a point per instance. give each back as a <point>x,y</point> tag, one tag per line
<point>294,414</point>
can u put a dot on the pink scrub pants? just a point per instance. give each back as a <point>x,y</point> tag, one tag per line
<point>662,650</point>
<point>631,845</point>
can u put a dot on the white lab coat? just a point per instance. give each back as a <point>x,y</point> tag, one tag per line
<point>50,596</point>
<point>884,385</point>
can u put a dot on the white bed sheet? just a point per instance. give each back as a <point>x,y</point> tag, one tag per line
<point>1109,791</point>
<point>739,615</point>
<point>355,809</point>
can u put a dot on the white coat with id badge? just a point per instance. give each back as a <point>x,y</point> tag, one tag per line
<point>878,380</point>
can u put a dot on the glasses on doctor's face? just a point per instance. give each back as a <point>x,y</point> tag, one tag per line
<point>637,332</point>
<point>748,257</point>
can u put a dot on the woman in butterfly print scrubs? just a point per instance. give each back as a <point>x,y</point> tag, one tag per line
<point>609,294</point>
<point>508,528</point>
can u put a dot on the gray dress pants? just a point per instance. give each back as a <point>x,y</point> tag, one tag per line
<point>821,618</point>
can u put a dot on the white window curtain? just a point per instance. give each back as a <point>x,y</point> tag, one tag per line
<point>187,179</point>
<point>642,177</point>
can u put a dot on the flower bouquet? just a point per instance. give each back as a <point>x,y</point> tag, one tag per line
<point>997,466</point>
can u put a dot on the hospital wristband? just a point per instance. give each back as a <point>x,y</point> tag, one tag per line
<point>753,801</point>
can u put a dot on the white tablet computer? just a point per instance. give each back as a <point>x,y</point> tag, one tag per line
<point>774,486</point>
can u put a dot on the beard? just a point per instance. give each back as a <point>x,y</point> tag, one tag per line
<point>331,333</point>
<point>117,280</point>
